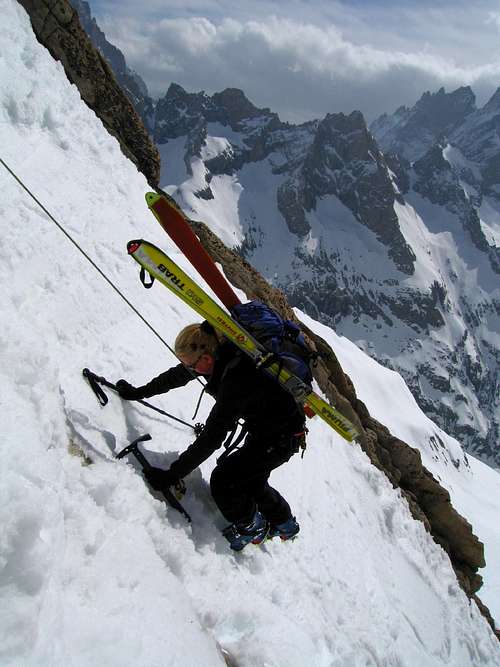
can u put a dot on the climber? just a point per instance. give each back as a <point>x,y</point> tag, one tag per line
<point>274,426</point>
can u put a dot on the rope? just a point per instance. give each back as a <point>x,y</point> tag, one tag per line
<point>97,268</point>
<point>87,257</point>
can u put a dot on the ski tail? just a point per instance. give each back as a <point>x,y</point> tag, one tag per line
<point>175,224</point>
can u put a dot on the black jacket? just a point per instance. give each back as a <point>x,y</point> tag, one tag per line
<point>241,391</point>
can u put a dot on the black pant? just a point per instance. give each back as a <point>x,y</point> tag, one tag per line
<point>239,482</point>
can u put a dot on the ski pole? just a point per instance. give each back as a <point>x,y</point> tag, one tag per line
<point>96,380</point>
<point>133,449</point>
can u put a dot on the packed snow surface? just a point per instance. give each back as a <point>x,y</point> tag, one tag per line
<point>97,571</point>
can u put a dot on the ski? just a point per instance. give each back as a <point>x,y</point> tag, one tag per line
<point>174,222</point>
<point>166,271</point>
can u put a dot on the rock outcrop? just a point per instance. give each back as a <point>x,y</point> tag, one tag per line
<point>57,26</point>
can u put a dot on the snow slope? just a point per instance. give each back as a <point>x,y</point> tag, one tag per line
<point>93,568</point>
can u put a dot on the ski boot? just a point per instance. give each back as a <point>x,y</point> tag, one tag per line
<point>285,531</point>
<point>254,532</point>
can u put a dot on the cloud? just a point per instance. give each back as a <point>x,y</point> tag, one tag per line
<point>494,17</point>
<point>304,69</point>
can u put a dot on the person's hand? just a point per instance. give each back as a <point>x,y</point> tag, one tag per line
<point>160,479</point>
<point>127,390</point>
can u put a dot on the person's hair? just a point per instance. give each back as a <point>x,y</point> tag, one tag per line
<point>199,338</point>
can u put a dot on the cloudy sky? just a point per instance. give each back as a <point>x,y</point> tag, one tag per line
<point>305,58</point>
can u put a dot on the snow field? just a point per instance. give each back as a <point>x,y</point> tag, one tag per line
<point>474,487</point>
<point>93,568</point>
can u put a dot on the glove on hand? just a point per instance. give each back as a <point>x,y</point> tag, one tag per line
<point>127,390</point>
<point>160,479</point>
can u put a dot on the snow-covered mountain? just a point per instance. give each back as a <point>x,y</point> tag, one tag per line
<point>448,155</point>
<point>94,570</point>
<point>401,258</point>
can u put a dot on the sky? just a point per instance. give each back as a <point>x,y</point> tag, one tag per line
<point>306,58</point>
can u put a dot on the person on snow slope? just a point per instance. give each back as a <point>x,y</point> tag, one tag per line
<point>275,429</point>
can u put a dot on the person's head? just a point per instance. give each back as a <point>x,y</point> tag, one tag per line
<point>196,345</point>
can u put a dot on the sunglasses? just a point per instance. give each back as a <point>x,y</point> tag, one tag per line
<point>192,365</point>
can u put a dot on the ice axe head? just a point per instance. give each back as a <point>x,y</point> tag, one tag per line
<point>133,448</point>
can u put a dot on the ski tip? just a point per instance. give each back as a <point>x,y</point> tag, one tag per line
<point>152,198</point>
<point>133,246</point>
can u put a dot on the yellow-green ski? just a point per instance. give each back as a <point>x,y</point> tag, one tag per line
<point>166,271</point>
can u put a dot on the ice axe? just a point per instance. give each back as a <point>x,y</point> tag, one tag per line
<point>133,449</point>
<point>95,382</point>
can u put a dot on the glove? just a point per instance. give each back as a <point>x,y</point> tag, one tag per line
<point>160,479</point>
<point>128,391</point>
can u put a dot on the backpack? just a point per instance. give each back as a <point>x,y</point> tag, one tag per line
<point>281,337</point>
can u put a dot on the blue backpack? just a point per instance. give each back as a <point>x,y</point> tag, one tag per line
<point>281,337</point>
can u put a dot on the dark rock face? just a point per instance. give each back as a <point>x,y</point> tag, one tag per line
<point>345,161</point>
<point>440,184</point>
<point>411,132</point>
<point>57,27</point>
<point>180,113</point>
<point>478,139</point>
<point>237,107</point>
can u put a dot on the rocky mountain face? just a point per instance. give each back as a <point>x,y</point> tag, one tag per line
<point>409,132</point>
<point>448,155</point>
<point>391,235</point>
<point>340,263</point>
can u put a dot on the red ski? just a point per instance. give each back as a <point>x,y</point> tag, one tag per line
<point>175,224</point>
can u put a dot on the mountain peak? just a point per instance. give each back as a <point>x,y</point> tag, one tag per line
<point>238,106</point>
<point>493,103</point>
<point>411,132</point>
<point>345,123</point>
<point>460,102</point>
<point>175,90</point>
<point>177,94</point>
